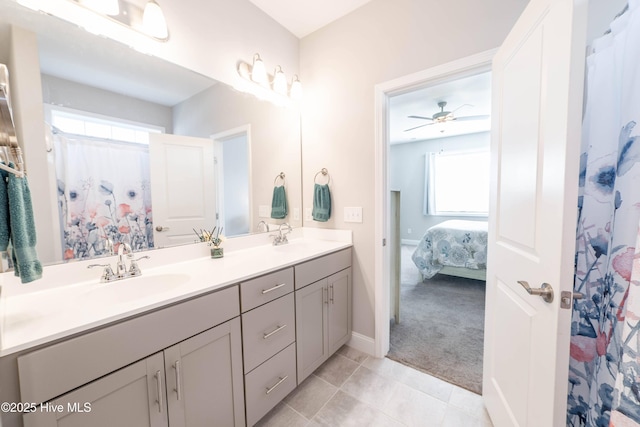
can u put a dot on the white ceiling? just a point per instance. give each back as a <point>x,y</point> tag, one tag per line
<point>302,17</point>
<point>473,90</point>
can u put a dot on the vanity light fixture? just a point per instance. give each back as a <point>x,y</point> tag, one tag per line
<point>153,21</point>
<point>119,20</point>
<point>255,80</point>
<point>279,81</point>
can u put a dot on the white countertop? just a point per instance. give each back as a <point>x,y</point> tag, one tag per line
<point>70,299</point>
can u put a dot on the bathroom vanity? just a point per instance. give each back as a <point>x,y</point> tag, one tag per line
<point>226,345</point>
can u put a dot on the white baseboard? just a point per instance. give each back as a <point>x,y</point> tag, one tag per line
<point>410,242</point>
<point>362,343</point>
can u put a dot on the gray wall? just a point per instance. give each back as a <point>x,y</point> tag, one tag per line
<point>407,174</point>
<point>81,97</point>
<point>340,65</point>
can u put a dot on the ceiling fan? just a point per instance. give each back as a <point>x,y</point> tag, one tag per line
<point>445,116</point>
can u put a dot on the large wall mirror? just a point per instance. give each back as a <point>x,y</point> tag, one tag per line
<point>146,152</point>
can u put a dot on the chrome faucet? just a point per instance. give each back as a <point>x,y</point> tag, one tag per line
<point>266,226</point>
<point>124,250</point>
<point>281,238</point>
<point>121,266</point>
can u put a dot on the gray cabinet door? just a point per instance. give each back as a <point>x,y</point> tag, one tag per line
<point>312,338</point>
<point>339,286</point>
<point>205,378</point>
<point>130,397</point>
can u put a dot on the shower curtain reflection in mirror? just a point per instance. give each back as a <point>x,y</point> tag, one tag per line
<point>104,193</point>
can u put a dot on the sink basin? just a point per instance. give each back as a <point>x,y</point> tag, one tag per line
<point>135,287</point>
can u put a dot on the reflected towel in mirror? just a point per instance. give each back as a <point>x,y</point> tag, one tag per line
<point>279,203</point>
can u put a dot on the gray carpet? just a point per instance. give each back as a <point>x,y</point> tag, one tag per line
<point>441,326</point>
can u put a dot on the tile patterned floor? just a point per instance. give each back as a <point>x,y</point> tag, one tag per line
<point>353,389</point>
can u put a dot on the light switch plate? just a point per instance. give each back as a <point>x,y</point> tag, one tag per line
<point>264,211</point>
<point>353,214</point>
<point>296,214</point>
<point>307,214</point>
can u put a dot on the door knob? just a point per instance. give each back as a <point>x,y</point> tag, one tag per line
<point>161,228</point>
<point>545,291</point>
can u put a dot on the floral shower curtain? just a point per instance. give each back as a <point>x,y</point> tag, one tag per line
<point>604,370</point>
<point>103,192</point>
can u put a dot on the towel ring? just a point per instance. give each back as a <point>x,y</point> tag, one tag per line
<point>281,176</point>
<point>324,172</point>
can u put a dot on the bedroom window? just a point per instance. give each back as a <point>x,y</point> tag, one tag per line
<point>457,183</point>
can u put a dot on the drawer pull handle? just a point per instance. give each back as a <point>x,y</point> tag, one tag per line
<point>278,329</point>
<point>270,389</point>
<point>266,291</point>
<point>158,377</point>
<point>178,388</point>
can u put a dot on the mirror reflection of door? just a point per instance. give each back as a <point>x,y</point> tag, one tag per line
<point>184,190</point>
<point>233,183</point>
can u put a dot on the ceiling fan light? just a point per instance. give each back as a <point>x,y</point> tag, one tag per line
<point>153,21</point>
<point>258,70</point>
<point>279,81</point>
<point>106,7</point>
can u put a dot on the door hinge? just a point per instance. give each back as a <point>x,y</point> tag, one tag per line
<point>384,242</point>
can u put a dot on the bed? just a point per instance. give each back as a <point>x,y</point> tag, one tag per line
<point>455,248</point>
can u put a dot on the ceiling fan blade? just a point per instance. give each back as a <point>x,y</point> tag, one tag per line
<point>420,117</point>
<point>465,118</point>
<point>421,126</point>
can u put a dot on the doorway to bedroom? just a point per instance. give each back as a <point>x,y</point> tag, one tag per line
<point>438,163</point>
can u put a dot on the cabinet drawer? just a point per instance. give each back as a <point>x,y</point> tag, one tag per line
<point>61,367</point>
<point>314,270</point>
<point>271,382</point>
<point>267,329</point>
<point>265,288</point>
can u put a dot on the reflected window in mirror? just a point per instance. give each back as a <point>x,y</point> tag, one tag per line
<point>92,125</point>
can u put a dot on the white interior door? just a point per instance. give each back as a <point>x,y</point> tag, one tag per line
<point>537,106</point>
<point>183,190</point>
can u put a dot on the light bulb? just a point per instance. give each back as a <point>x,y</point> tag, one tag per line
<point>153,21</point>
<point>258,71</point>
<point>279,82</point>
<point>296,89</point>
